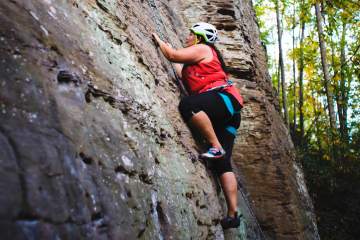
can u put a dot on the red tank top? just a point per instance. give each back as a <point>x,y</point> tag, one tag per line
<point>200,77</point>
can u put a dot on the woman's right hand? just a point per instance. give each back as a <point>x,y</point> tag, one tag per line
<point>156,39</point>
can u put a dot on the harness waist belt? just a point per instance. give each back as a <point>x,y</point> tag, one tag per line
<point>228,84</point>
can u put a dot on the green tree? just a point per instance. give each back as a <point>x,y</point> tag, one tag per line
<point>332,176</point>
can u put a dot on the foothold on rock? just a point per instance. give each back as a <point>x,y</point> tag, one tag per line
<point>67,77</point>
<point>86,159</point>
<point>145,178</point>
<point>96,216</point>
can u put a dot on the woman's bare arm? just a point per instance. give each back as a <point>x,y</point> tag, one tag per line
<point>178,69</point>
<point>192,54</point>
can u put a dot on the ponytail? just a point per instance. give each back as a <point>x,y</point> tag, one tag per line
<point>220,57</point>
<point>218,53</point>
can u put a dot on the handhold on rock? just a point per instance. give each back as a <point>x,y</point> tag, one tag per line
<point>65,76</point>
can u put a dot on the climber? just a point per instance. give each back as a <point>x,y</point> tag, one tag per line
<point>213,106</point>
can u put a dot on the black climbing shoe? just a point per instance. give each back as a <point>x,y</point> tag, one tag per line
<point>230,222</point>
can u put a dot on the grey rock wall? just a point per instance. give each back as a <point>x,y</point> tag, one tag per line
<point>92,144</point>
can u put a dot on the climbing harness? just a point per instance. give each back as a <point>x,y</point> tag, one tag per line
<point>232,130</point>
<point>232,111</point>
<point>229,83</point>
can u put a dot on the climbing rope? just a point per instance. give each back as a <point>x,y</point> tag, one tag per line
<point>250,210</point>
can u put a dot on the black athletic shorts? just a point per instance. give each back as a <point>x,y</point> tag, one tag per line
<point>224,112</point>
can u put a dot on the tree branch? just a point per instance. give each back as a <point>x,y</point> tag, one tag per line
<point>350,59</point>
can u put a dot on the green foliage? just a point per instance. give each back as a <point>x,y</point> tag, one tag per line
<point>331,158</point>
<point>334,188</point>
<point>265,30</point>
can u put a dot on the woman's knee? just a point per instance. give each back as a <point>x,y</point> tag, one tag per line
<point>183,105</point>
<point>222,166</point>
<point>186,108</point>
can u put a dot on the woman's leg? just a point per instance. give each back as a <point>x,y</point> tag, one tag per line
<point>229,186</point>
<point>224,169</point>
<point>202,122</point>
<point>204,110</point>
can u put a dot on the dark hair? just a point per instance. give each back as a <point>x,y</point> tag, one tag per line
<point>220,57</point>
<point>218,53</point>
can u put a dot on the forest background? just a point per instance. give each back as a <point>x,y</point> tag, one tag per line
<point>314,61</point>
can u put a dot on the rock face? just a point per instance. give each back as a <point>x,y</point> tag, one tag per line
<point>92,144</point>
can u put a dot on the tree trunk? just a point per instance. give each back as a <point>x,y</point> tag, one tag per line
<point>278,82</point>
<point>329,94</point>
<point>301,86</point>
<point>343,93</point>
<point>315,123</point>
<point>294,70</point>
<point>281,65</point>
<point>333,31</point>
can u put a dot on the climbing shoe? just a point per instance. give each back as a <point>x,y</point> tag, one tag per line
<point>230,222</point>
<point>213,153</point>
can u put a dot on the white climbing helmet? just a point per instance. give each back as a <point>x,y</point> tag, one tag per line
<point>206,30</point>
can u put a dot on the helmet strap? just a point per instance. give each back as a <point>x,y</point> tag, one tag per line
<point>196,39</point>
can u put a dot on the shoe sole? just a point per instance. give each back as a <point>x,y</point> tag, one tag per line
<point>236,226</point>
<point>217,157</point>
<point>230,227</point>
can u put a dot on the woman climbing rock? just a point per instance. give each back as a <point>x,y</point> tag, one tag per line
<point>213,106</point>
